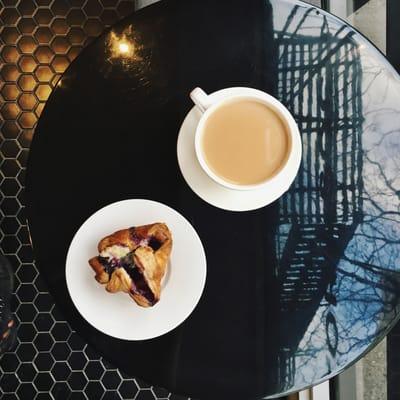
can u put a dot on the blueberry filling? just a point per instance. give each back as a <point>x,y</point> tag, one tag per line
<point>109,265</point>
<point>134,236</point>
<point>154,243</point>
<point>139,284</point>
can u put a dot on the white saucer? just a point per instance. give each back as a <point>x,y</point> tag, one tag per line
<point>117,314</point>
<point>210,191</point>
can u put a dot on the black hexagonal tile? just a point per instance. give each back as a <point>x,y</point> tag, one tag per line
<point>43,35</point>
<point>73,52</point>
<point>9,244</point>
<point>9,362</point>
<point>26,352</point>
<point>160,392</point>
<point>43,3</point>
<point>27,312</point>
<point>43,92</point>
<point>10,91</point>
<point>10,130</point>
<point>25,138</point>
<point>26,44</point>
<point>27,63</point>
<point>44,302</point>
<point>77,360</point>
<point>111,380</point>
<point>77,380</point>
<point>26,332</point>
<point>9,206</point>
<point>61,391</point>
<point>27,273</point>
<point>9,186</point>
<point>111,395</point>
<point>92,8</point>
<point>59,26</point>
<point>44,361</point>
<point>76,342</point>
<point>26,391</point>
<point>61,371</point>
<point>61,351</point>
<point>26,8</point>
<point>43,322</point>
<point>25,254</point>
<point>60,45</point>
<point>145,394</point>
<point>94,390</point>
<point>43,396</point>
<point>27,101</point>
<point>27,120</point>
<point>10,54</point>
<point>60,8</point>
<point>9,15</point>
<point>128,389</point>
<point>10,168</point>
<point>60,63</point>
<point>26,292</point>
<point>43,341</point>
<point>57,315</point>
<point>9,72</point>
<point>44,54</point>
<point>75,17</point>
<point>26,25</point>
<point>9,34</point>
<point>43,16</point>
<point>10,110</point>
<point>91,353</point>
<point>9,226</point>
<point>23,237</point>
<point>78,396</point>
<point>9,382</point>
<point>43,73</point>
<point>76,36</point>
<point>21,199</point>
<point>27,82</point>
<point>38,110</point>
<point>43,381</point>
<point>94,370</point>
<point>61,331</point>
<point>21,217</point>
<point>26,372</point>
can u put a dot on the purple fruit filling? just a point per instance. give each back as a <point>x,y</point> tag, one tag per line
<point>134,236</point>
<point>139,284</point>
<point>154,243</point>
<point>109,265</point>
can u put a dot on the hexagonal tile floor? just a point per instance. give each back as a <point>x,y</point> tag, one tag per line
<point>38,40</point>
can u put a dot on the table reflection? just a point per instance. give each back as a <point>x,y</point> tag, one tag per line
<point>336,243</point>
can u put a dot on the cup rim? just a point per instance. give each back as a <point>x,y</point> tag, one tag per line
<point>279,108</point>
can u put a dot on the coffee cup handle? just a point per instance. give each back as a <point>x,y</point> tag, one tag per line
<point>201,99</point>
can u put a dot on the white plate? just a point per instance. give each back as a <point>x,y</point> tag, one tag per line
<point>207,189</point>
<point>117,314</point>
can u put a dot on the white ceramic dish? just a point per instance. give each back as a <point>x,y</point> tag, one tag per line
<point>208,189</point>
<point>117,314</point>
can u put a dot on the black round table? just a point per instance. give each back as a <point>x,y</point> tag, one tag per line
<point>296,291</point>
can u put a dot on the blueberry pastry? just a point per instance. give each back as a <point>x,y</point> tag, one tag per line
<point>134,261</point>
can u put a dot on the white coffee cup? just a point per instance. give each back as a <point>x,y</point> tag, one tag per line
<point>288,171</point>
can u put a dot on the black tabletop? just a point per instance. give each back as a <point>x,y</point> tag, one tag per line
<point>295,291</point>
